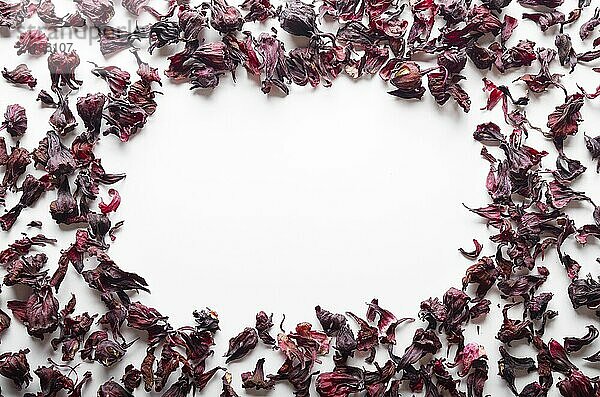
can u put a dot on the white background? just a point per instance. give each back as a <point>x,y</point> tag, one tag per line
<point>242,202</point>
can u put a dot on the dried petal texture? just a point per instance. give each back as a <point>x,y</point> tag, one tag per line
<point>118,80</point>
<point>62,66</point>
<point>99,12</point>
<point>15,120</point>
<point>134,6</point>
<point>113,204</point>
<point>241,344</point>
<point>565,119</point>
<point>34,42</point>
<point>20,75</point>
<point>15,367</point>
<point>39,313</point>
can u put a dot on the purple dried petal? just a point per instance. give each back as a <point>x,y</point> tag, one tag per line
<point>407,79</point>
<point>274,65</point>
<point>15,367</point>
<point>118,80</point>
<point>242,344</point>
<point>541,3</point>
<point>298,18</point>
<point>12,15</point>
<point>573,344</point>
<point>225,18</point>
<point>90,110</point>
<point>256,379</point>
<point>565,119</point>
<point>135,6</point>
<point>15,121</point>
<point>100,12</point>
<point>473,254</point>
<point>62,67</point>
<point>258,10</point>
<point>20,75</point>
<point>63,120</point>
<point>588,27</point>
<point>585,292</point>
<point>33,42</point>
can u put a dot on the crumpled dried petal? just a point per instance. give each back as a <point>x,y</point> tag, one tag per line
<point>118,80</point>
<point>90,109</point>
<point>573,344</point>
<point>256,379</point>
<point>298,18</point>
<point>98,347</point>
<point>34,42</point>
<point>242,344</point>
<point>341,382</point>
<point>565,119</point>
<point>113,204</point>
<point>62,67</point>
<point>407,78</point>
<point>15,367</point>
<point>15,120</point>
<point>274,65</point>
<point>39,313</point>
<point>20,75</point>
<point>225,18</point>
<point>135,6</point>
<point>124,118</point>
<point>263,325</point>
<point>585,292</point>
<point>99,12</point>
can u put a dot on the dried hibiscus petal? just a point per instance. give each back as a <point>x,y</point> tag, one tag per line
<point>274,66</point>
<point>100,12</point>
<point>263,324</point>
<point>46,11</point>
<point>588,27</point>
<point>98,347</point>
<point>90,109</point>
<point>63,120</point>
<point>298,18</point>
<point>225,18</point>
<point>114,202</point>
<point>256,379</point>
<point>15,367</point>
<point>330,322</point>
<point>124,118</point>
<point>31,191</point>
<point>407,78</point>
<point>112,389</point>
<point>15,120</point>
<point>33,42</point>
<point>424,342</point>
<point>132,379</point>
<point>593,146</point>
<point>472,254</point>
<point>20,75</point>
<point>565,119</point>
<point>585,292</point>
<point>135,6</point>
<point>113,40</point>
<point>108,277</point>
<point>39,313</point>
<point>62,67</point>
<point>118,80</point>
<point>341,382</point>
<point>12,15</point>
<point>573,344</point>
<point>241,344</point>
<point>16,164</point>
